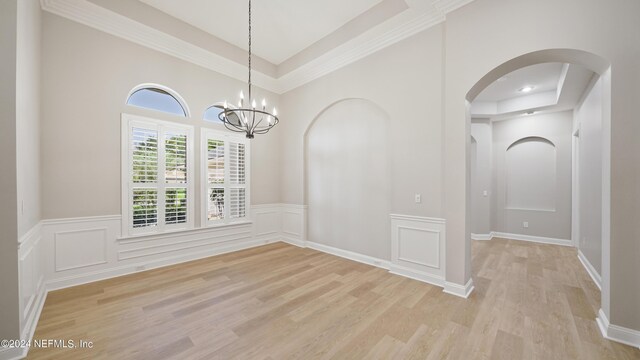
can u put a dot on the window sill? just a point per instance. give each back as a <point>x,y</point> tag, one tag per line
<point>171,233</point>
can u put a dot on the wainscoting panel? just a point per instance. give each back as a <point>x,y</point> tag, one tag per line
<point>294,224</point>
<point>80,248</point>
<point>418,248</point>
<point>267,220</point>
<point>32,279</point>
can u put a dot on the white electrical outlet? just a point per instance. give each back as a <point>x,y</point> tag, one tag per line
<point>485,193</point>
<point>418,199</point>
<point>525,224</point>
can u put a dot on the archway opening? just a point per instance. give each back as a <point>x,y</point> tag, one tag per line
<point>586,130</point>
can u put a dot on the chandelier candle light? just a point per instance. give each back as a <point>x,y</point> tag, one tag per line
<point>244,119</point>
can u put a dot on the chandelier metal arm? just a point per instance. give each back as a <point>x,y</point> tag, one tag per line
<point>244,119</point>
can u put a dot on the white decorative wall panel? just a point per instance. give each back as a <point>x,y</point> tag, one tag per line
<point>418,248</point>
<point>80,248</point>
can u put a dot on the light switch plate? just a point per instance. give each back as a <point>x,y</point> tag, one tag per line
<point>418,198</point>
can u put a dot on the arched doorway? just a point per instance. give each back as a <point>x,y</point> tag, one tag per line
<point>599,66</point>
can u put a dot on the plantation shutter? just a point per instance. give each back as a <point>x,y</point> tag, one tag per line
<point>226,171</point>
<point>144,150</point>
<point>159,187</point>
<point>237,200</point>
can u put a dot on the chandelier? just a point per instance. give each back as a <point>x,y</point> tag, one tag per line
<point>248,119</point>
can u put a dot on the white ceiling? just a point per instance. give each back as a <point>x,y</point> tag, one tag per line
<point>544,77</point>
<point>281,28</point>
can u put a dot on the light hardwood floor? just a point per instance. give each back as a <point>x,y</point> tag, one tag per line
<point>278,301</point>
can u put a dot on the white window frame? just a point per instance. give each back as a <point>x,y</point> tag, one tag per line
<point>204,173</point>
<point>162,127</point>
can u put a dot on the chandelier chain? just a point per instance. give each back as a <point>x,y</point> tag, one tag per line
<point>249,50</point>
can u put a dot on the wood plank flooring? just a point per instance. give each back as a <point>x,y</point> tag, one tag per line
<point>278,301</point>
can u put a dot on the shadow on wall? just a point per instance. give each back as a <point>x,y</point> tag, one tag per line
<point>347,178</point>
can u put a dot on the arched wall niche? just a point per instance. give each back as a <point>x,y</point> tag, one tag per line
<point>531,174</point>
<point>347,179</point>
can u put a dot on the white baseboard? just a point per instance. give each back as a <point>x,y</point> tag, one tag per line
<point>93,276</point>
<point>590,270</point>
<point>416,275</point>
<point>462,291</point>
<point>293,241</point>
<point>521,237</point>
<point>617,333</point>
<point>481,236</point>
<point>365,259</point>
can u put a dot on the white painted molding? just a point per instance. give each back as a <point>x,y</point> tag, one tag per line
<point>617,333</point>
<point>417,218</point>
<point>481,237</point>
<point>350,255</point>
<point>520,237</point>
<point>462,291</point>
<point>97,17</point>
<point>144,265</point>
<point>590,270</point>
<point>64,221</point>
<point>418,248</point>
<point>417,275</point>
<point>417,18</point>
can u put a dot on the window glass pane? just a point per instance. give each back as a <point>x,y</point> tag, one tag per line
<point>216,204</point>
<point>236,164</point>
<point>212,114</point>
<point>215,161</point>
<point>176,206</point>
<point>156,99</point>
<point>145,207</point>
<point>237,203</point>
<point>176,158</point>
<point>144,147</point>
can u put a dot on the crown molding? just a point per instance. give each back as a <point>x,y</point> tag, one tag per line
<point>399,27</point>
<point>92,15</point>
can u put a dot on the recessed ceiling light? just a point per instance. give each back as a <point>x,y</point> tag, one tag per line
<point>526,89</point>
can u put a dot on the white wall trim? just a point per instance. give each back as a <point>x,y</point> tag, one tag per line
<point>521,237</point>
<point>144,265</point>
<point>481,237</point>
<point>418,218</point>
<point>590,269</point>
<point>350,255</point>
<point>462,291</point>
<point>617,333</point>
<point>418,248</point>
<point>416,275</point>
<point>418,17</point>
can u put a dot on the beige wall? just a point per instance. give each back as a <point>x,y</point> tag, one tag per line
<point>9,308</point>
<point>348,171</point>
<point>589,120</point>
<point>86,78</point>
<point>28,115</point>
<point>550,219</point>
<point>481,175</point>
<point>404,80</point>
<point>492,32</point>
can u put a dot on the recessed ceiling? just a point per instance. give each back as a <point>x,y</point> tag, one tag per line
<point>543,77</point>
<point>556,87</point>
<point>281,28</point>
